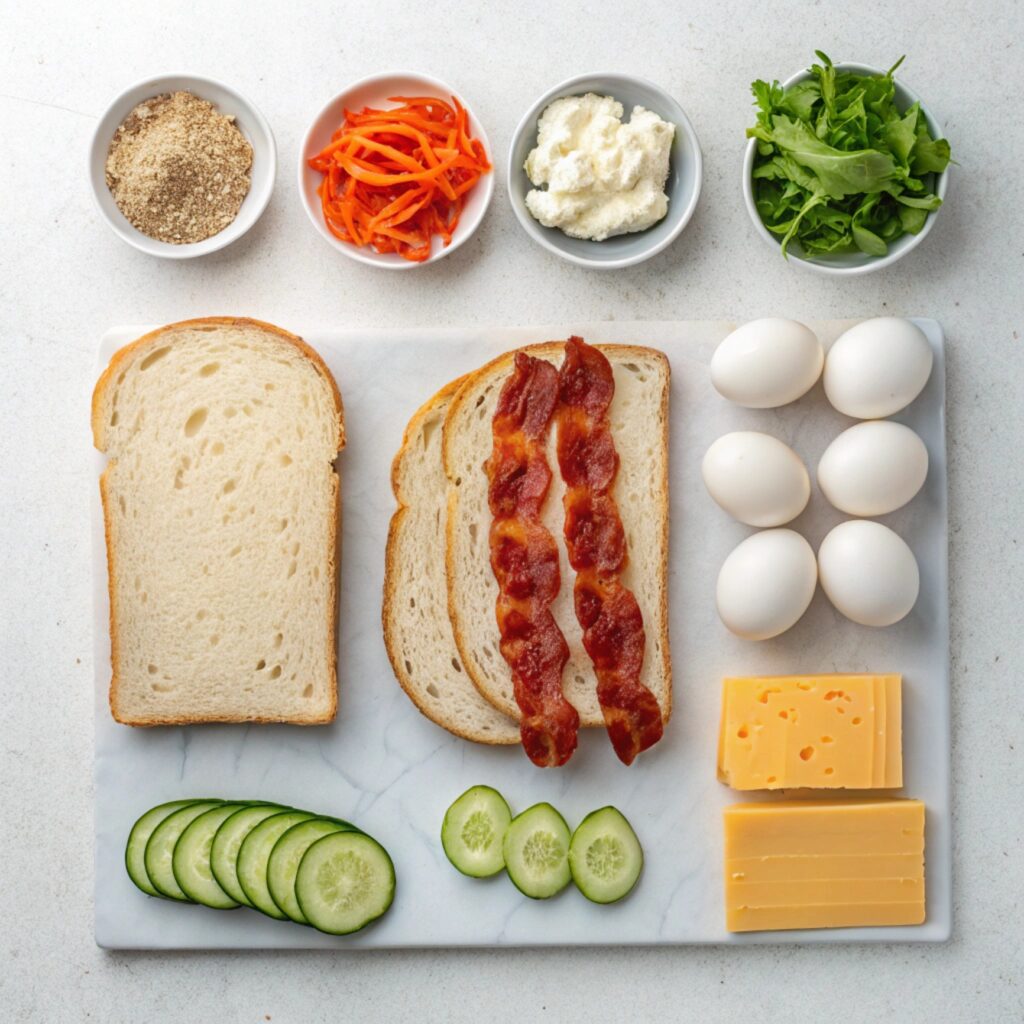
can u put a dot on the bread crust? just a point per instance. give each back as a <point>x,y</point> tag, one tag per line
<point>391,577</point>
<point>125,354</point>
<point>120,360</point>
<point>553,350</point>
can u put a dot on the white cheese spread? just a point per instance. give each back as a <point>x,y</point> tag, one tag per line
<point>603,177</point>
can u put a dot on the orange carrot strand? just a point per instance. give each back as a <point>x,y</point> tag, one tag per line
<point>395,179</point>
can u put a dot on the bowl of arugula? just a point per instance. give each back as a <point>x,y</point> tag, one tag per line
<point>845,167</point>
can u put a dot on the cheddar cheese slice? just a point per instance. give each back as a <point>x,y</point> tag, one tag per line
<point>818,732</point>
<point>824,864</point>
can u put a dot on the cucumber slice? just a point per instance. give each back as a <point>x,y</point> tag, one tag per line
<point>473,829</point>
<point>286,855</point>
<point>536,849</point>
<point>226,843</point>
<point>345,880</point>
<point>191,859</point>
<point>605,856</point>
<point>160,848</point>
<point>135,848</point>
<point>254,853</point>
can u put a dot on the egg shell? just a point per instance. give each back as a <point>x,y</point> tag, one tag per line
<point>877,367</point>
<point>767,363</point>
<point>756,478</point>
<point>873,468</point>
<point>766,584</point>
<point>868,572</point>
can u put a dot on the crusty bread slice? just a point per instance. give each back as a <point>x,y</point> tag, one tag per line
<point>639,417</point>
<point>417,630</point>
<point>221,508</point>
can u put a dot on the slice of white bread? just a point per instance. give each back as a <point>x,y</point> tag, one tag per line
<point>639,418</point>
<point>221,507</point>
<point>417,630</point>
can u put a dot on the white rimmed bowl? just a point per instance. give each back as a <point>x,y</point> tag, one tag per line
<point>683,185</point>
<point>252,124</point>
<point>376,91</point>
<point>849,263</point>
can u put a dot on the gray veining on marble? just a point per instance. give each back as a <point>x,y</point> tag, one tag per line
<point>394,773</point>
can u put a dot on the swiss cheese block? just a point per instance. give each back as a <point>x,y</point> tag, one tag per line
<point>816,732</point>
<point>824,864</point>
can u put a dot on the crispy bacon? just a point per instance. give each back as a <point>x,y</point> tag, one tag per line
<point>524,557</point>
<point>613,627</point>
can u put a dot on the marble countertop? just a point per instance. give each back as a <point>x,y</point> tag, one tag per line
<point>64,278</point>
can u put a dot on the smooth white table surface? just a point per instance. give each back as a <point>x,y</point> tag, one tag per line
<point>64,278</point>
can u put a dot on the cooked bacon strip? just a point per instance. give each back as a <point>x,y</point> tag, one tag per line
<point>524,557</point>
<point>613,626</point>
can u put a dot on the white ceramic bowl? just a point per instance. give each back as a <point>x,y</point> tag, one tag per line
<point>849,263</point>
<point>376,91</point>
<point>250,121</point>
<point>683,185</point>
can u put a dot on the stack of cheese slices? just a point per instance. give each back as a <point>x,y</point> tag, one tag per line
<point>440,626</point>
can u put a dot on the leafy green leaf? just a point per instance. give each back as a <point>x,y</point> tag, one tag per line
<point>839,173</point>
<point>879,96</point>
<point>826,75</point>
<point>813,201</point>
<point>930,155</point>
<point>867,241</point>
<point>902,134</point>
<point>799,99</point>
<point>767,97</point>
<point>863,236</point>
<point>929,202</point>
<point>839,167</point>
<point>785,168</point>
<point>912,219</point>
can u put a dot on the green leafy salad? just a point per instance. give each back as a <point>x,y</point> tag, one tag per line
<point>839,167</point>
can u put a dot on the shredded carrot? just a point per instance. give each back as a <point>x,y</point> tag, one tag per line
<point>392,179</point>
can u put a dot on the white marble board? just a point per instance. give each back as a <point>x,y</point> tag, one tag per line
<point>392,771</point>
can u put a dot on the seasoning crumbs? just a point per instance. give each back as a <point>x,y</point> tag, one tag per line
<point>178,169</point>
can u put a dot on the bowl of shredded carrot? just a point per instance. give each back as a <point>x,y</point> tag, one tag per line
<point>396,171</point>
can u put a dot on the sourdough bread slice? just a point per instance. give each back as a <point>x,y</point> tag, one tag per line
<point>221,507</point>
<point>417,630</point>
<point>639,418</point>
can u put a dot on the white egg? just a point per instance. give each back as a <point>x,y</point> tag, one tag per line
<point>873,468</point>
<point>877,367</point>
<point>766,584</point>
<point>767,363</point>
<point>868,572</point>
<point>756,478</point>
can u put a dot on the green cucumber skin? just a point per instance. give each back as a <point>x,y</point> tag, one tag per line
<point>306,906</point>
<point>562,879</point>
<point>152,819</point>
<point>231,885</point>
<point>285,905</point>
<point>452,847</point>
<point>580,874</point>
<point>347,825</point>
<point>137,872</point>
<point>156,834</point>
<point>256,899</point>
<point>227,903</point>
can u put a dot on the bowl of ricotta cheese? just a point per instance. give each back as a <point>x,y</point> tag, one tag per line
<point>604,170</point>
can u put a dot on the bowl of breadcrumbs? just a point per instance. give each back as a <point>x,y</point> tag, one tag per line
<point>182,166</point>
